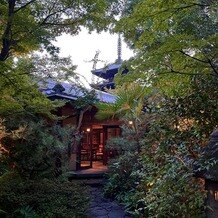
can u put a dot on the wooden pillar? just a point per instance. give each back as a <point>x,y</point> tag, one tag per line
<point>90,134</point>
<point>105,155</point>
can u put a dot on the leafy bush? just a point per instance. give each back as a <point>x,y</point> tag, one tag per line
<point>123,178</point>
<point>163,184</point>
<point>44,198</point>
<point>34,149</point>
<point>170,187</point>
<point>157,182</point>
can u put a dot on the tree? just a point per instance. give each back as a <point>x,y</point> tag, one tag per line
<point>176,59</point>
<point>176,46</point>
<point>31,145</point>
<point>27,26</point>
<point>19,90</point>
<point>30,25</point>
<point>174,41</point>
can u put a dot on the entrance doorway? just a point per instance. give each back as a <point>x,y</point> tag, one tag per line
<point>92,146</point>
<point>92,151</point>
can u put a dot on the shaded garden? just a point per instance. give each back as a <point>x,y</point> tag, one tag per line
<point>33,145</point>
<point>167,102</point>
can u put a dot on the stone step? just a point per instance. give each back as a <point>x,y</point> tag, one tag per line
<point>94,182</point>
<point>79,176</point>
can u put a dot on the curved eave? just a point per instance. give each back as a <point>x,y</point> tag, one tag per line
<point>60,96</point>
<point>105,74</point>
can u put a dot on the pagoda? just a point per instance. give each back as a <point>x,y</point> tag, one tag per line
<point>107,73</point>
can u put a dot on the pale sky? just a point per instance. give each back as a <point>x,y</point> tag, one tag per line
<point>82,48</point>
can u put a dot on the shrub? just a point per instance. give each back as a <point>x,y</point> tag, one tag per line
<point>37,150</point>
<point>170,187</point>
<point>123,179</point>
<point>159,181</point>
<point>45,198</point>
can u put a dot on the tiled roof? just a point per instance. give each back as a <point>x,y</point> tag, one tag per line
<point>72,92</point>
<point>108,68</point>
<point>105,97</point>
<point>107,72</point>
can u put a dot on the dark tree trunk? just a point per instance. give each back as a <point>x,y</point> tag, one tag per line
<point>7,35</point>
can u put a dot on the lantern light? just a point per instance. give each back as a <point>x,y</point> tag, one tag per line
<point>130,122</point>
<point>216,195</point>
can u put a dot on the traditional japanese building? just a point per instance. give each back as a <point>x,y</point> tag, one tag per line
<point>95,133</point>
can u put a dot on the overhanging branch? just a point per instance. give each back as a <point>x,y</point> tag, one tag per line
<point>194,58</point>
<point>24,6</point>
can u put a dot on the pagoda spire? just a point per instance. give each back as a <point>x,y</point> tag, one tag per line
<point>119,50</point>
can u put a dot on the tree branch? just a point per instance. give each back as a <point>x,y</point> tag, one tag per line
<point>10,81</point>
<point>48,16</point>
<point>177,9</point>
<point>58,24</point>
<point>24,6</point>
<point>213,67</point>
<point>178,72</point>
<point>197,59</point>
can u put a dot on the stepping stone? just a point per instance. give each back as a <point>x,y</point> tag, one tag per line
<point>101,207</point>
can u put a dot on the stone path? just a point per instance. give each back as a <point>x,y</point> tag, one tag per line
<point>101,207</point>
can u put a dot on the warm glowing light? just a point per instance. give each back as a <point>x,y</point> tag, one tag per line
<point>130,122</point>
<point>88,129</point>
<point>216,195</point>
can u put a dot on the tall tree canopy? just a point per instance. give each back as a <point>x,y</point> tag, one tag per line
<point>29,25</point>
<point>173,39</point>
<point>177,61</point>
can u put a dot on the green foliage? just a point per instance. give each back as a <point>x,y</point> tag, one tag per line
<point>175,130</point>
<point>176,60</point>
<point>30,142</point>
<point>19,92</point>
<point>29,25</point>
<point>35,148</point>
<point>47,67</point>
<point>123,177</point>
<point>169,186</point>
<point>200,104</point>
<point>26,212</point>
<point>128,105</point>
<point>42,198</point>
<point>130,141</point>
<point>173,40</point>
<point>159,181</point>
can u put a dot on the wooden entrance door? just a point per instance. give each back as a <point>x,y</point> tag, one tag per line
<point>92,147</point>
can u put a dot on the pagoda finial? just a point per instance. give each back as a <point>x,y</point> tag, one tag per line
<point>119,50</point>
